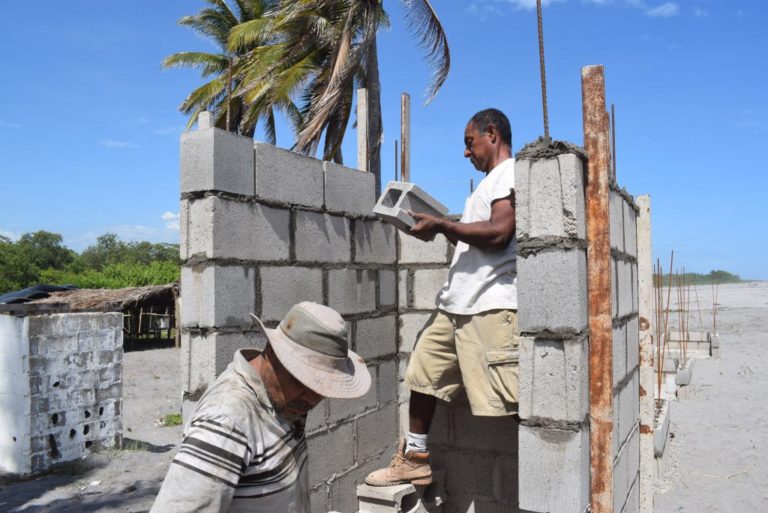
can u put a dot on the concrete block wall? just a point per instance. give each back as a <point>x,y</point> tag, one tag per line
<point>60,388</point>
<point>262,229</point>
<point>554,343</point>
<point>626,351</point>
<point>554,353</point>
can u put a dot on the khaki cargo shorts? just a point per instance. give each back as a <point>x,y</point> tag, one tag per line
<point>478,352</point>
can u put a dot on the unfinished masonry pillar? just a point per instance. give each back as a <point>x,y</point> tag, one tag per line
<point>645,283</point>
<point>552,297</point>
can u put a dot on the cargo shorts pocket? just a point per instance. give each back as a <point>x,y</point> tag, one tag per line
<point>503,371</point>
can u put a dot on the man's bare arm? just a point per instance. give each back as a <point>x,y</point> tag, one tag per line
<point>496,233</point>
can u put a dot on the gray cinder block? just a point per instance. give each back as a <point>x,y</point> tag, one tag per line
<point>283,287</point>
<point>387,287</point>
<point>554,473</point>
<point>630,229</point>
<point>216,160</point>
<point>322,237</point>
<point>376,432</point>
<point>388,382</point>
<point>616,220</point>
<point>288,177</point>
<point>325,458</point>
<point>403,290</point>
<point>554,379</point>
<point>625,287</point>
<point>376,337</point>
<point>619,353</point>
<point>349,190</point>
<point>374,243</point>
<point>217,296</point>
<point>206,356</point>
<point>552,291</point>
<point>221,228</point>
<point>427,283</point>
<point>549,195</point>
<point>417,251</point>
<point>400,197</point>
<point>411,326</point>
<point>352,290</point>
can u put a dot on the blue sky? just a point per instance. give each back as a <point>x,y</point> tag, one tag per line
<point>89,126</point>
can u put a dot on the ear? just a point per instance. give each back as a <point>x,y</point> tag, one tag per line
<point>493,133</point>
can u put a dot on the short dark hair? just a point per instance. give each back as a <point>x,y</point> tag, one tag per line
<point>495,117</point>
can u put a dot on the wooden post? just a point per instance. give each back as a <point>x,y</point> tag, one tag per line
<point>362,130</point>
<point>405,137</point>
<point>597,144</point>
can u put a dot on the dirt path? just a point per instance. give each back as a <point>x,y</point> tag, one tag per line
<point>115,481</point>
<point>718,453</point>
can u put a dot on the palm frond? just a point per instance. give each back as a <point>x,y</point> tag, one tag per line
<point>248,34</point>
<point>208,63</point>
<point>425,25</point>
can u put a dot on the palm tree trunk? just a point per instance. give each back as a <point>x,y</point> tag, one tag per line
<point>375,129</point>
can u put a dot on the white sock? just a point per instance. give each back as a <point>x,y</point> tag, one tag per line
<point>416,442</point>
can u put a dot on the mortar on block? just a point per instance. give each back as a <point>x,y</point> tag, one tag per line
<point>400,197</point>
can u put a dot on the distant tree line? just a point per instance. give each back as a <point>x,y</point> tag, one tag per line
<point>41,257</point>
<point>715,276</point>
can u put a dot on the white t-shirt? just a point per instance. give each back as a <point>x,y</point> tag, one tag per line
<point>482,279</point>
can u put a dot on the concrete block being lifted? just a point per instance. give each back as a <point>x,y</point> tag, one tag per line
<point>399,197</point>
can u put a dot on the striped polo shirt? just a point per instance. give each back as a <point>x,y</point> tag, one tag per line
<point>237,454</point>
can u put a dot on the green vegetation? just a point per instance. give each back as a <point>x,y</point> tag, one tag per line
<point>110,263</point>
<point>715,276</point>
<point>273,54</point>
<point>172,419</point>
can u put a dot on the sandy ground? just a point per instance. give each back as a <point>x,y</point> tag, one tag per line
<point>717,458</point>
<point>115,481</point>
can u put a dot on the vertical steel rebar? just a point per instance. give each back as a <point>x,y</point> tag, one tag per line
<point>596,142</point>
<point>539,18</point>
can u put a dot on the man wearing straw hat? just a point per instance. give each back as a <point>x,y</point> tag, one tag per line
<point>244,447</point>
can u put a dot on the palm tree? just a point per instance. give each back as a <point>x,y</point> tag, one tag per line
<point>220,95</point>
<point>326,49</point>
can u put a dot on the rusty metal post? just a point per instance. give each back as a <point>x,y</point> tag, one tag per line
<point>405,137</point>
<point>363,153</point>
<point>597,144</point>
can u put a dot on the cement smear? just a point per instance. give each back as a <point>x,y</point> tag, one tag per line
<point>543,149</point>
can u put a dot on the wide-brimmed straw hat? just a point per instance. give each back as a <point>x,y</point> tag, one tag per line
<point>311,343</point>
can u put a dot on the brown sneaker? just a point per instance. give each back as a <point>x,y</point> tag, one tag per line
<point>405,467</point>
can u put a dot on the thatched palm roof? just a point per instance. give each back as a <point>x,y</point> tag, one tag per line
<point>112,300</point>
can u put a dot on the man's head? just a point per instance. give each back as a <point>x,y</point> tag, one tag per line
<point>309,355</point>
<point>487,139</point>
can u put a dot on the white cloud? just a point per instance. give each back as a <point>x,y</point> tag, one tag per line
<point>171,220</point>
<point>664,10</point>
<point>483,10</point>
<point>118,145</point>
<point>700,12</point>
<point>8,124</point>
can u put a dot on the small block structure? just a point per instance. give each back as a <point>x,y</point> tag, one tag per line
<point>400,197</point>
<point>62,396</point>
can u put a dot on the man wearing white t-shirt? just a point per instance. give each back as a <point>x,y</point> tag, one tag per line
<point>471,340</point>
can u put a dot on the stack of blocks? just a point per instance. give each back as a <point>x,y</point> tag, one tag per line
<point>626,343</point>
<point>63,395</point>
<point>553,322</point>
<point>262,229</point>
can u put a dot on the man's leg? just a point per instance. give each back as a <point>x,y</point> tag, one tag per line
<point>421,410</point>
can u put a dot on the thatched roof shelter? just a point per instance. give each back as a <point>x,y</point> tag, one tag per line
<point>153,297</point>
